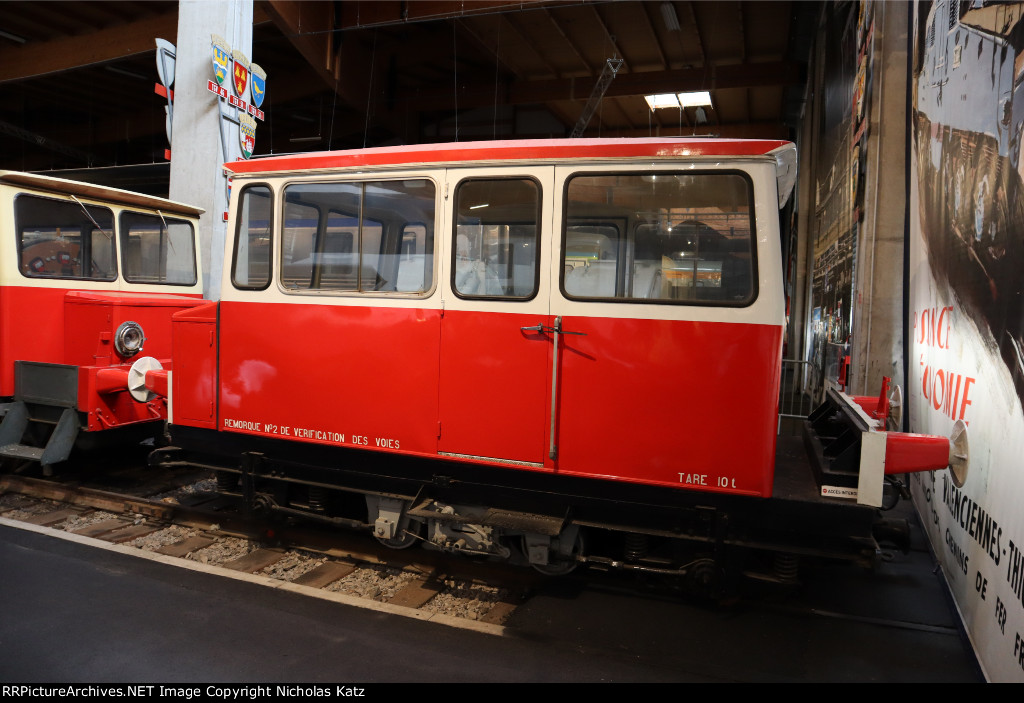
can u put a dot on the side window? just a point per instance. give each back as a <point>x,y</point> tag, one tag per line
<point>496,238</point>
<point>359,236</point>
<point>252,238</point>
<point>401,252</point>
<point>157,249</point>
<point>660,237</point>
<point>338,252</point>
<point>298,244</point>
<point>61,239</point>
<point>415,259</point>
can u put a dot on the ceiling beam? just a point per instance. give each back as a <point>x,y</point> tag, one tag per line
<point>622,119</point>
<point>750,130</point>
<point>524,41</point>
<point>673,81</point>
<point>489,46</point>
<point>625,84</point>
<point>568,42</point>
<point>609,39</point>
<point>655,42</point>
<point>740,29</point>
<point>691,24</point>
<point>310,26</point>
<point>38,59</point>
<point>360,14</point>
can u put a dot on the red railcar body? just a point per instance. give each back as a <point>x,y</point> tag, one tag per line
<point>498,348</point>
<point>89,279</point>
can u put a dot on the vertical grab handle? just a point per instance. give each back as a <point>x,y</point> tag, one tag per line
<point>553,445</point>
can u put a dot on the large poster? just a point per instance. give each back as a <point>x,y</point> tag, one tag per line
<point>966,292</point>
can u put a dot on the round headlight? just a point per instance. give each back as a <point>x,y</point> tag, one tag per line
<point>129,339</point>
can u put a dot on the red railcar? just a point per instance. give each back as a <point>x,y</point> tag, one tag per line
<point>89,279</point>
<point>550,351</point>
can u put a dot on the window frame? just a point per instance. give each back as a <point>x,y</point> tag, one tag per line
<point>123,232</point>
<point>270,234</point>
<point>74,203</point>
<point>630,242</point>
<point>362,180</point>
<point>538,239</point>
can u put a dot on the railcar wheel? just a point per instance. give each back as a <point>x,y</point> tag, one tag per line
<point>704,579</point>
<point>561,565</point>
<point>404,539</point>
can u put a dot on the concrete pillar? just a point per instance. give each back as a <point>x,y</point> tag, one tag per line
<point>202,139</point>
<point>878,325</point>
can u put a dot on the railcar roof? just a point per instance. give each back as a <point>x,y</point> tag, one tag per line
<point>88,190</point>
<point>509,150</point>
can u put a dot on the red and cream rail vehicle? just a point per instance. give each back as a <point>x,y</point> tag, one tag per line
<point>546,351</point>
<point>89,279</point>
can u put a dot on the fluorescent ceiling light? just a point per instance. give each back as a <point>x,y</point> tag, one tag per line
<point>662,100</point>
<point>695,99</point>
<point>679,100</point>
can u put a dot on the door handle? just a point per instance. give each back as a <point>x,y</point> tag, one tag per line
<point>557,329</point>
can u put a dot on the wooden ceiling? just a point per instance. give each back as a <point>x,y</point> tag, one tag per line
<point>77,78</point>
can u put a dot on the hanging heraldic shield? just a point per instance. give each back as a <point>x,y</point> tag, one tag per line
<point>221,59</point>
<point>246,134</point>
<point>240,74</point>
<point>259,84</point>
<point>165,59</point>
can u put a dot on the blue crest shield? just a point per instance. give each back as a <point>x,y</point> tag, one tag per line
<point>258,78</point>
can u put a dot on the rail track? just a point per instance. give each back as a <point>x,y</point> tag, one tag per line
<point>180,516</point>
